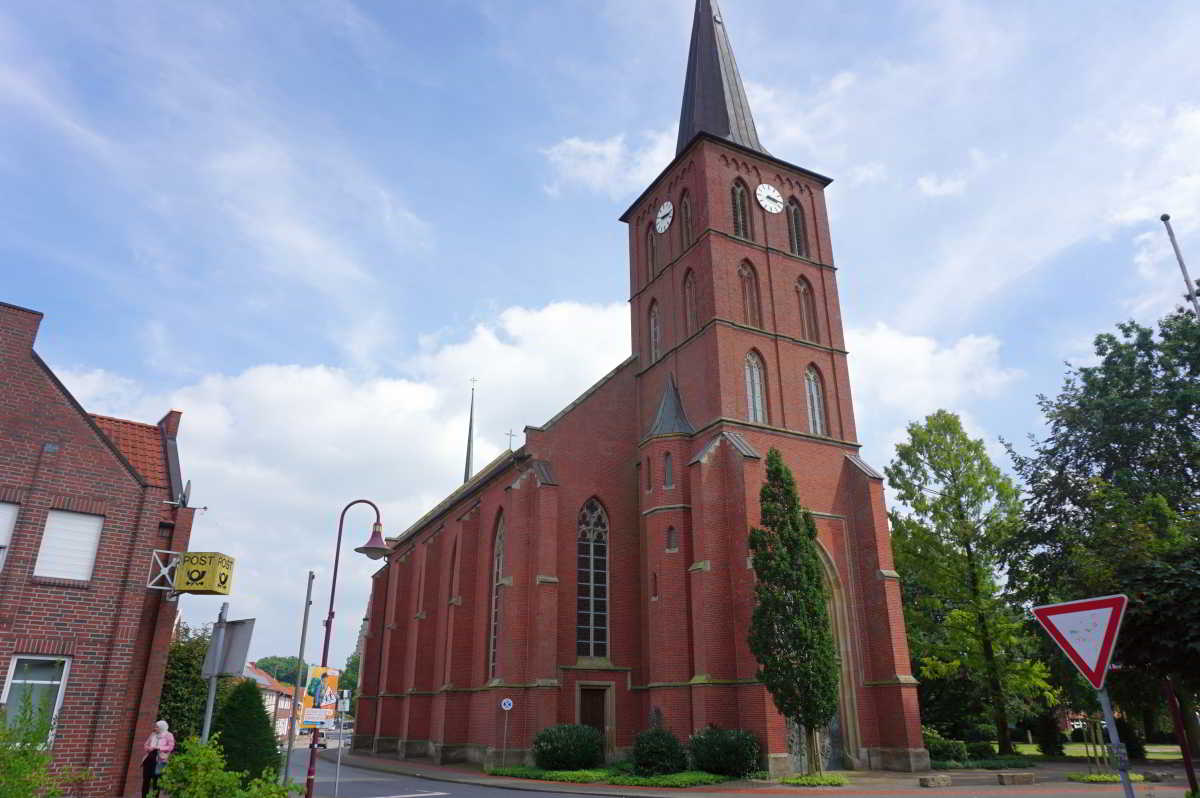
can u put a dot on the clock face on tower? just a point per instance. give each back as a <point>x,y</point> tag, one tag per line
<point>770,198</point>
<point>665,214</point>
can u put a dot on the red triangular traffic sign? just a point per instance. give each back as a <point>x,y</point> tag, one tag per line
<point>1086,631</point>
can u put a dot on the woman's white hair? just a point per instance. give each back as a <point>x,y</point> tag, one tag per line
<point>161,726</point>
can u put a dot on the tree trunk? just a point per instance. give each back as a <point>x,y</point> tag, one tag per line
<point>999,711</point>
<point>813,741</point>
<point>1187,705</point>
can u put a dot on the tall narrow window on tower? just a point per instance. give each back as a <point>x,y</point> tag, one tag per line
<point>497,581</point>
<point>808,310</point>
<point>751,310</point>
<point>756,401</point>
<point>816,402</point>
<point>651,254</point>
<point>655,333</point>
<point>796,235</point>
<point>741,210</point>
<point>689,303</point>
<point>685,222</point>
<point>668,471</point>
<point>591,623</point>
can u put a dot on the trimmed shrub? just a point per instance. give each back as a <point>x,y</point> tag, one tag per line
<point>657,751</point>
<point>246,734</point>
<point>946,750</point>
<point>729,752</point>
<point>568,747</point>
<point>825,780</point>
<point>1102,778</point>
<point>1077,735</point>
<point>1132,740</point>
<point>1046,734</point>
<point>981,750</point>
<point>689,778</point>
<point>980,733</point>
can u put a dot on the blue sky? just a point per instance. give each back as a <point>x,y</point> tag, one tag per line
<point>306,225</point>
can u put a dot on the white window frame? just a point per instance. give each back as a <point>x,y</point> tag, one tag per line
<point>756,389</point>
<point>62,685</point>
<point>6,534</point>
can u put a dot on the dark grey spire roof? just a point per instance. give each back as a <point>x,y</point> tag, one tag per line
<point>671,419</point>
<point>714,100</point>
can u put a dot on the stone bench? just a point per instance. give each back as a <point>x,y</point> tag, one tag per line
<point>1015,778</point>
<point>936,780</point>
<point>1158,775</point>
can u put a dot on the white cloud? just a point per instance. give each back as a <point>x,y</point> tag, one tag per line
<point>610,166</point>
<point>275,451</point>
<point>934,186</point>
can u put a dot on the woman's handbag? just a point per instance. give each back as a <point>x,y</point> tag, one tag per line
<point>160,764</point>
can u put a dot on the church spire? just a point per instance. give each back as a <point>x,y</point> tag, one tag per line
<point>470,436</point>
<point>714,100</point>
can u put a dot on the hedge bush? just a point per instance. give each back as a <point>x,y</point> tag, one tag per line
<point>981,750</point>
<point>729,752</point>
<point>1078,735</point>
<point>1102,778</point>
<point>952,750</point>
<point>568,747</point>
<point>689,778</point>
<point>1049,739</point>
<point>1132,740</point>
<point>657,751</point>
<point>980,733</point>
<point>824,780</point>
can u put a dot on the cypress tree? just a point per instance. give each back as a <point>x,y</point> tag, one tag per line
<point>790,635</point>
<point>247,736</point>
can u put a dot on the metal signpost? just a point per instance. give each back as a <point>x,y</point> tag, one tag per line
<point>343,705</point>
<point>226,657</point>
<point>301,673</point>
<point>507,705</point>
<point>1086,631</point>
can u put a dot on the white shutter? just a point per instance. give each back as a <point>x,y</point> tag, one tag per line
<point>8,520</point>
<point>69,545</point>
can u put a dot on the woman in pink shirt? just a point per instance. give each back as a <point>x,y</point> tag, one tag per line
<point>158,747</point>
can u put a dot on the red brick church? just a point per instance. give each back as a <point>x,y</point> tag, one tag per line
<point>600,574</point>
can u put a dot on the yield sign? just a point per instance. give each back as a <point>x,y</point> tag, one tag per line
<point>1086,631</point>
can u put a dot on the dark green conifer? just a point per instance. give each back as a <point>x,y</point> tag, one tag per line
<point>790,634</point>
<point>246,733</point>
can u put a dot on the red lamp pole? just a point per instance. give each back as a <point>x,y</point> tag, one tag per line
<point>375,548</point>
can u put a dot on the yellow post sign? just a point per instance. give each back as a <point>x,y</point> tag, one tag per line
<point>204,573</point>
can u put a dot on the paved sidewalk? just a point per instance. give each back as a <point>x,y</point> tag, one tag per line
<point>1051,780</point>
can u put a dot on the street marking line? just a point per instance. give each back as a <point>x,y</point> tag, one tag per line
<point>415,795</point>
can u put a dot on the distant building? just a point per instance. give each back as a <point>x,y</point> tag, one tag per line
<point>84,502</point>
<point>601,573</point>
<point>276,697</point>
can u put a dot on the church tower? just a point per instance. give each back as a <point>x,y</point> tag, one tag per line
<point>738,339</point>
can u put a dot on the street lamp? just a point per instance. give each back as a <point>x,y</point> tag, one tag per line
<point>375,548</point>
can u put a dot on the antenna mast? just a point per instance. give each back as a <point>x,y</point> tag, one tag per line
<point>1187,278</point>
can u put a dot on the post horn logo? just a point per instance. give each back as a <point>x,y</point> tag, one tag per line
<point>196,575</point>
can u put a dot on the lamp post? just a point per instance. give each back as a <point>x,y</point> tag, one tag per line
<point>375,548</point>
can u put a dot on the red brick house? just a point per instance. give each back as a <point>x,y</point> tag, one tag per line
<point>84,502</point>
<point>600,574</point>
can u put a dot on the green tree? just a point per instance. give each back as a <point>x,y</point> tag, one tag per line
<point>349,679</point>
<point>1129,426</point>
<point>284,669</point>
<point>790,634</point>
<point>960,511</point>
<point>246,732</point>
<point>25,759</point>
<point>185,691</point>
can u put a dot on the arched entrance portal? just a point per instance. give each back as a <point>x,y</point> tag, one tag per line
<point>840,742</point>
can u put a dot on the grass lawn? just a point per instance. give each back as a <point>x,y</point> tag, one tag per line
<point>1075,750</point>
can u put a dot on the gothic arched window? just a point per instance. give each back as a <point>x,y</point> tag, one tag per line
<point>672,539</point>
<point>591,619</point>
<point>689,302</point>
<point>797,238</point>
<point>740,199</point>
<point>815,390</point>
<point>668,471</point>
<point>685,222</point>
<point>756,395</point>
<point>497,582</point>
<point>808,310</point>
<point>751,310</point>
<point>651,254</point>
<point>655,333</point>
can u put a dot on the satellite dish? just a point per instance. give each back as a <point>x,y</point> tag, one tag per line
<point>187,494</point>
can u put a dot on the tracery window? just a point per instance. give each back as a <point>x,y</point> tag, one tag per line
<point>591,622</point>
<point>808,310</point>
<point>815,390</point>
<point>655,333</point>
<point>689,302</point>
<point>751,310</point>
<point>797,238</point>
<point>756,401</point>
<point>685,222</point>
<point>497,582</point>
<point>740,200</point>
